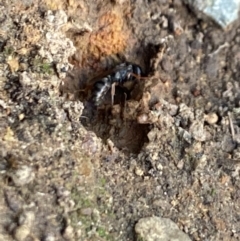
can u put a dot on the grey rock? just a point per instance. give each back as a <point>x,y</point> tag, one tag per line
<point>197,130</point>
<point>221,11</point>
<point>159,229</point>
<point>185,135</point>
<point>228,145</point>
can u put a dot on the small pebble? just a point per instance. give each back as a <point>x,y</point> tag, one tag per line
<point>68,233</point>
<point>142,119</point>
<point>167,65</point>
<point>23,175</point>
<point>164,22</point>
<point>138,171</point>
<point>159,166</point>
<point>201,162</point>
<point>180,164</point>
<point>197,131</point>
<point>23,66</point>
<point>24,79</point>
<point>160,229</point>
<point>26,218</point>
<point>211,118</point>
<point>21,116</point>
<point>86,211</point>
<point>21,233</point>
<point>49,237</point>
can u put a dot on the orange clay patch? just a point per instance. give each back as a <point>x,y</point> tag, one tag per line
<point>108,39</point>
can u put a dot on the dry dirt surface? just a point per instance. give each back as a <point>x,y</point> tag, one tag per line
<point>167,148</point>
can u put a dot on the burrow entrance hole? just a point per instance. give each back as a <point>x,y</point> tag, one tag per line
<point>97,50</point>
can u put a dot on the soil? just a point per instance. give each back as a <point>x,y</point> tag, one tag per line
<point>71,171</point>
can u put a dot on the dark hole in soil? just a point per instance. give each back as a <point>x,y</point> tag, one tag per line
<point>127,135</point>
<point>108,121</point>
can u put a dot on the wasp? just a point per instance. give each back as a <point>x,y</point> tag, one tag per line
<point>123,75</point>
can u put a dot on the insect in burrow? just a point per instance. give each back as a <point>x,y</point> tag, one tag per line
<point>123,75</point>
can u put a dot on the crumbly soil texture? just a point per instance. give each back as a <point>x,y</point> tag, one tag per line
<point>167,148</point>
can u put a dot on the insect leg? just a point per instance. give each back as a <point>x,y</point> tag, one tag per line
<point>99,91</point>
<point>113,92</point>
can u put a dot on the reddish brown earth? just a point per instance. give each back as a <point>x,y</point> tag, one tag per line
<point>70,172</point>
